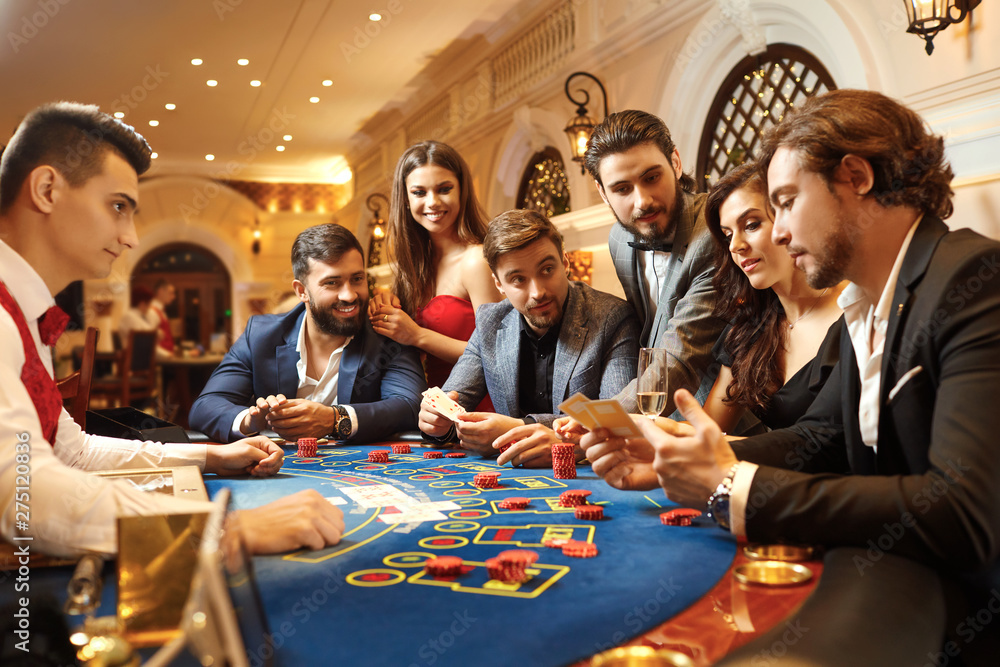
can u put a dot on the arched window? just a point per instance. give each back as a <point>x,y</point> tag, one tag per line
<point>544,187</point>
<point>756,94</point>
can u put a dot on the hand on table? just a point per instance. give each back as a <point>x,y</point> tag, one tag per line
<point>391,321</point>
<point>431,422</point>
<point>478,430</point>
<point>690,466</point>
<point>301,418</point>
<point>255,420</point>
<point>301,520</point>
<point>530,446</point>
<point>257,456</point>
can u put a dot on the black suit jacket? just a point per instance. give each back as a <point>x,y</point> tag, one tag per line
<point>379,378</point>
<point>932,490</point>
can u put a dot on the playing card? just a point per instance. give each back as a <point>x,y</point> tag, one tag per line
<point>574,407</point>
<point>443,403</point>
<point>607,413</point>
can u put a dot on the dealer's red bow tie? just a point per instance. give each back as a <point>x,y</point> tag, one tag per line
<point>52,324</point>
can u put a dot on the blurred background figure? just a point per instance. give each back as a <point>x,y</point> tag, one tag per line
<point>164,294</point>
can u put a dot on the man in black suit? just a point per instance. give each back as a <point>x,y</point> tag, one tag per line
<point>897,454</point>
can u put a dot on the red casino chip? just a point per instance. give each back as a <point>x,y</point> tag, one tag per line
<point>679,517</point>
<point>589,512</point>
<point>577,549</point>
<point>433,455</point>
<point>505,571</point>
<point>486,480</point>
<point>455,455</point>
<point>378,456</point>
<point>504,447</point>
<point>401,449</point>
<point>514,503</point>
<point>523,557</point>
<point>573,497</point>
<point>564,461</point>
<point>444,566</point>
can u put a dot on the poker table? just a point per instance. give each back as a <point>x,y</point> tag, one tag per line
<point>368,600</point>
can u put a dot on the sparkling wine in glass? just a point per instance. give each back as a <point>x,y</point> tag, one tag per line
<point>651,385</point>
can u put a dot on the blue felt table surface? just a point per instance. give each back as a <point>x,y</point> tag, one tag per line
<point>368,601</point>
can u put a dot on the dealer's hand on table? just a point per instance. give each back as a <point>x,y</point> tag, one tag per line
<point>256,418</point>
<point>301,418</point>
<point>690,467</point>
<point>432,422</point>
<point>530,446</point>
<point>257,456</point>
<point>301,520</point>
<point>478,430</point>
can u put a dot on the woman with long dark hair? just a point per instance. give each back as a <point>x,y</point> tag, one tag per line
<point>436,230</point>
<point>784,336</point>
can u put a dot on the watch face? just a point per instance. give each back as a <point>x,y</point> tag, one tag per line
<point>344,428</point>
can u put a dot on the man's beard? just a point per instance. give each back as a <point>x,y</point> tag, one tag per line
<point>835,257</point>
<point>673,219</point>
<point>334,325</point>
<point>543,321</point>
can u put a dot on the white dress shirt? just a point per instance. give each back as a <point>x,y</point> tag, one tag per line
<point>69,511</point>
<point>867,325</point>
<point>322,390</point>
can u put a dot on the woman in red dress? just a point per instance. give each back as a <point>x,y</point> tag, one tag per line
<point>436,230</point>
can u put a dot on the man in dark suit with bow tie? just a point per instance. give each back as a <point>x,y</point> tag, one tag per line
<point>660,245</point>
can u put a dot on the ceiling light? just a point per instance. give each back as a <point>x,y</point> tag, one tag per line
<point>119,114</point>
<point>314,100</point>
<point>209,157</point>
<point>374,17</point>
<point>255,83</point>
<point>243,62</point>
<point>287,137</point>
<point>280,149</point>
<point>212,83</point>
<point>154,155</point>
<point>170,106</point>
<point>196,61</point>
<point>154,123</point>
<point>328,83</point>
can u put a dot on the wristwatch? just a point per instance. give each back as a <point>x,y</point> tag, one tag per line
<point>343,428</point>
<point>718,502</point>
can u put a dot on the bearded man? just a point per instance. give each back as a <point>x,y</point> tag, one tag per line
<point>319,370</point>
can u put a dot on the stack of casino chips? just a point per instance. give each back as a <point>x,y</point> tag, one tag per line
<point>378,456</point>
<point>401,448</point>
<point>455,455</point>
<point>576,549</point>
<point>307,447</point>
<point>514,503</point>
<point>588,512</point>
<point>511,566</point>
<point>443,566</point>
<point>564,460</point>
<point>433,455</point>
<point>486,480</point>
<point>679,517</point>
<point>573,497</point>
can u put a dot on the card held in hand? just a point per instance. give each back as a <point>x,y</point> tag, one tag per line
<point>443,403</point>
<point>607,413</point>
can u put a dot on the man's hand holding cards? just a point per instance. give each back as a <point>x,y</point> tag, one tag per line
<point>437,412</point>
<point>607,413</point>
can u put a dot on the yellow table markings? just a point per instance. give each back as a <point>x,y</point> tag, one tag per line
<point>469,514</point>
<point>493,587</point>
<point>462,493</point>
<point>446,484</point>
<point>407,559</point>
<point>428,542</point>
<point>456,526</point>
<point>470,502</point>
<point>578,532</point>
<point>377,577</point>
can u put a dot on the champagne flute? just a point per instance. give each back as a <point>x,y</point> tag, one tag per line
<point>651,382</point>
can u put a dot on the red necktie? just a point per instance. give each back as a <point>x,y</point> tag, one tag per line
<point>52,324</point>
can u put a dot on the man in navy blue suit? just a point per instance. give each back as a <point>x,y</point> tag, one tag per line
<point>319,370</point>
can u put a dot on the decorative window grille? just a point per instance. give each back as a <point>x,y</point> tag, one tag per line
<point>757,93</point>
<point>544,187</point>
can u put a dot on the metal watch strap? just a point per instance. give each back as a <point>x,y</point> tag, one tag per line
<point>722,492</point>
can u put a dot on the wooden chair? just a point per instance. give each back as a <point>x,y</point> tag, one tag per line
<point>75,388</point>
<point>136,376</point>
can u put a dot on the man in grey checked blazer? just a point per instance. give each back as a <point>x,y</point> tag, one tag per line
<point>550,339</point>
<point>660,246</point>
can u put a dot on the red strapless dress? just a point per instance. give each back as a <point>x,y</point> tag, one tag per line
<point>453,317</point>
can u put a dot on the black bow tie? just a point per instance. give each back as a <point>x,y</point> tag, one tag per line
<point>661,247</point>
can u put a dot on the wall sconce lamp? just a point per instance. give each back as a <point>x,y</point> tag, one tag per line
<point>378,227</point>
<point>929,17</point>
<point>580,127</point>
<point>255,246</point>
